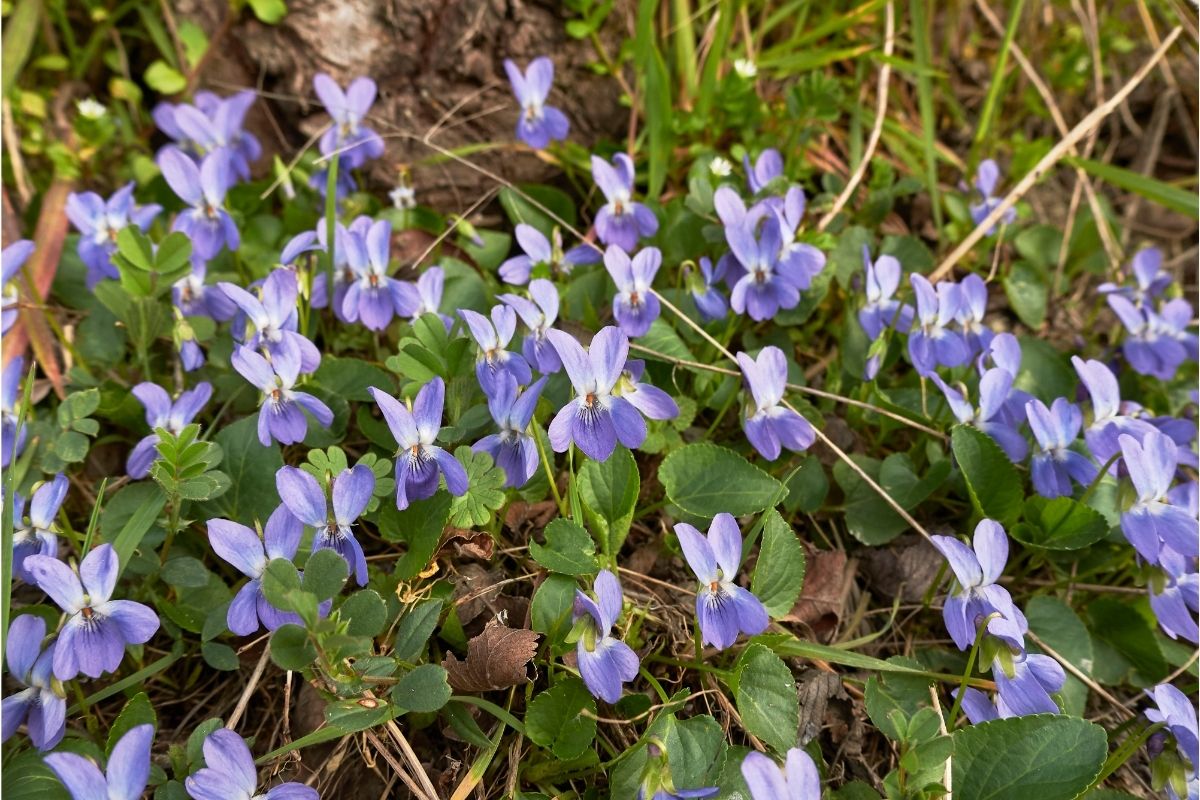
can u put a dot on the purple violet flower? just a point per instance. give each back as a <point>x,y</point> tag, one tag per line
<point>229,773</point>
<point>219,130</point>
<point>765,279</point>
<point>995,387</point>
<point>274,318</point>
<point>653,402</point>
<point>194,299</point>
<point>430,286</point>
<point>162,413</point>
<point>605,662</point>
<point>1107,420</point>
<point>304,497</point>
<point>37,536</point>
<point>540,250</point>
<point>374,296</point>
<point>710,301</point>
<point>766,168</point>
<point>1149,278</point>
<point>1152,521</point>
<point>539,313</point>
<point>97,630</point>
<point>976,571</point>
<point>931,342</point>
<point>635,306</point>
<point>1055,464</point>
<point>99,221</point>
<point>881,310</point>
<point>1025,681</point>
<point>986,178</point>
<point>418,460</point>
<point>769,424</point>
<point>206,223</point>
<point>723,609</point>
<point>243,549</point>
<point>973,299</point>
<point>279,416</point>
<point>656,783</point>
<point>12,258</point>
<point>493,337</point>
<point>1175,595</point>
<point>798,779</point>
<point>513,449</point>
<point>12,441</point>
<point>621,221</point>
<point>125,777</point>
<point>355,142</point>
<point>596,418</point>
<point>38,705</point>
<point>1157,343</point>
<point>1174,710</point>
<point>539,124</point>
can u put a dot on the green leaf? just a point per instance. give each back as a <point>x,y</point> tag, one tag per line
<point>366,613</point>
<point>991,478</point>
<point>550,611</point>
<point>568,549</point>
<point>1128,632</point>
<point>324,573</point>
<point>706,480</point>
<point>869,517</point>
<point>485,490</point>
<point>1060,628</point>
<point>164,79</point>
<point>291,649</point>
<point>807,487</point>
<point>137,711</point>
<point>556,720</point>
<point>779,574</point>
<point>657,111</point>
<point>891,692</point>
<point>279,580</point>
<point>350,377</point>
<point>173,254</point>
<point>415,628</point>
<point>25,775</point>
<point>1060,524</point>
<point>1047,757</point>
<point>186,572</point>
<point>425,689</point>
<point>269,11</point>
<point>530,203</point>
<point>767,699</point>
<point>419,526</point>
<point>1027,293</point>
<point>609,490</point>
<point>251,469</point>
<point>128,517</point>
<point>219,656</point>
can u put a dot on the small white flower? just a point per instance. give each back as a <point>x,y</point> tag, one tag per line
<point>745,67</point>
<point>721,167</point>
<point>403,196</point>
<point>91,108</point>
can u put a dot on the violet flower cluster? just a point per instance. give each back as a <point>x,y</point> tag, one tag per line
<point>539,124</point>
<point>979,607</point>
<point>1158,332</point>
<point>12,258</point>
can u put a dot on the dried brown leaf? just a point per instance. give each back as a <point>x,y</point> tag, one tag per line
<point>496,659</point>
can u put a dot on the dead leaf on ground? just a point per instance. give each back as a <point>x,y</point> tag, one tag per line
<point>536,515</point>
<point>820,603</point>
<point>904,569</point>
<point>496,659</point>
<point>816,687</point>
<point>475,591</point>
<point>478,545</point>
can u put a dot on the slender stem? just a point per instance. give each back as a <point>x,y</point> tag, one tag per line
<point>658,689</point>
<point>966,677</point>
<point>330,223</point>
<point>562,507</point>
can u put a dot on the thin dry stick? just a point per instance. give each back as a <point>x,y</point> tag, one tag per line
<point>1060,122</point>
<point>948,772</point>
<point>1074,670</point>
<point>397,767</point>
<point>1085,126</point>
<point>411,757</point>
<point>885,74</point>
<point>244,700</point>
